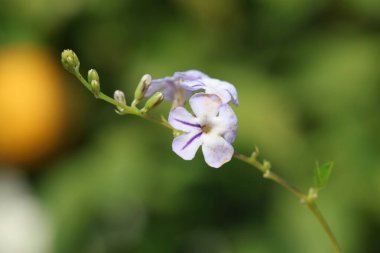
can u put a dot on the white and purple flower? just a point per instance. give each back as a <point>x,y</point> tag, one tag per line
<point>171,86</point>
<point>222,89</point>
<point>213,127</point>
<point>181,85</point>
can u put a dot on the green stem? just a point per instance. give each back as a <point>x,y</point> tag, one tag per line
<point>268,174</point>
<point>250,160</point>
<point>317,213</point>
<point>310,202</point>
<point>126,109</point>
<point>82,80</point>
<point>157,121</point>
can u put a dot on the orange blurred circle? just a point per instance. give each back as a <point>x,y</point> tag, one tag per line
<point>32,105</point>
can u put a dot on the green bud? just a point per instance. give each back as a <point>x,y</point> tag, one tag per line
<point>153,101</point>
<point>120,98</point>
<point>254,155</point>
<point>70,61</point>
<point>266,165</point>
<point>93,80</point>
<point>142,88</point>
<point>266,169</point>
<point>95,88</point>
<point>92,75</point>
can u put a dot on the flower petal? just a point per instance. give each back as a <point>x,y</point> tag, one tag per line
<point>186,145</point>
<point>224,95</point>
<point>224,90</point>
<point>189,75</point>
<point>156,85</point>
<point>231,90</point>
<point>227,123</point>
<point>193,85</point>
<point>167,86</point>
<point>182,120</point>
<point>216,150</point>
<point>205,105</point>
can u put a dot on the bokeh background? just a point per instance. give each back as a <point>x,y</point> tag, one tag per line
<point>77,177</point>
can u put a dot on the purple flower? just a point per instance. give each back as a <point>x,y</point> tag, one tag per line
<point>213,127</point>
<point>182,84</point>
<point>223,89</point>
<point>172,87</point>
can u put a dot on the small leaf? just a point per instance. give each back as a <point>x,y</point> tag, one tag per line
<point>322,174</point>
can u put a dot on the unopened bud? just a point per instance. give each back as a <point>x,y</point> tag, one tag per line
<point>70,61</point>
<point>142,88</point>
<point>93,80</point>
<point>120,98</point>
<point>92,75</point>
<point>95,88</point>
<point>254,155</point>
<point>266,165</point>
<point>153,101</point>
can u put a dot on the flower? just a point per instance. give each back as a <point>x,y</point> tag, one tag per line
<point>182,84</point>
<point>213,127</point>
<point>172,86</point>
<point>223,89</point>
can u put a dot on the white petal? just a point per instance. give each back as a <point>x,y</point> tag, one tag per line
<point>224,95</point>
<point>182,120</point>
<point>216,150</point>
<point>227,123</point>
<point>205,105</point>
<point>186,145</point>
<point>223,89</point>
<point>231,90</point>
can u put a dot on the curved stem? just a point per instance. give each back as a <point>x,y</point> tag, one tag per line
<point>264,167</point>
<point>309,201</point>
<point>126,109</point>
<point>267,173</point>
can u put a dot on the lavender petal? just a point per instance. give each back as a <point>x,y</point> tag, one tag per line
<point>188,123</point>
<point>181,119</point>
<point>186,145</point>
<point>191,140</point>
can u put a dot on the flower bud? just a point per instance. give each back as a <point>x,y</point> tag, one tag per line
<point>93,80</point>
<point>266,165</point>
<point>142,87</point>
<point>120,98</point>
<point>70,61</point>
<point>95,88</point>
<point>92,75</point>
<point>153,101</point>
<point>266,169</point>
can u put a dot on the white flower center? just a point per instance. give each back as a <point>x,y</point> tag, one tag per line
<point>212,126</point>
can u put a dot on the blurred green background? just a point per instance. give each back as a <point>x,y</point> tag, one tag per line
<point>86,180</point>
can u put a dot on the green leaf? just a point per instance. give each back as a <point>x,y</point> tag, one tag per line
<point>322,174</point>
